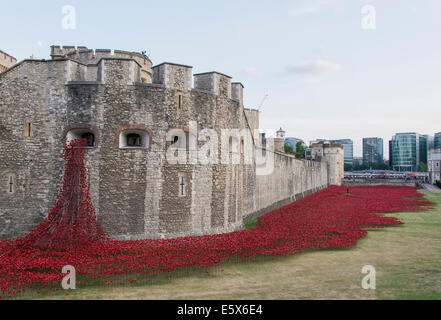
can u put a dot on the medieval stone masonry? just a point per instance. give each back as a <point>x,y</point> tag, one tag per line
<point>136,118</point>
<point>6,61</point>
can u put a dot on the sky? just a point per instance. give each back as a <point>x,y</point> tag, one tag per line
<point>332,69</point>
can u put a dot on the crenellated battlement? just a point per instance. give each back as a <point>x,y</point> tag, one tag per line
<point>215,82</point>
<point>61,52</point>
<point>96,65</point>
<point>178,76</point>
<point>85,55</point>
<point>172,75</point>
<point>90,56</point>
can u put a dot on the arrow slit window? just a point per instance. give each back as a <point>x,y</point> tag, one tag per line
<point>11,184</point>
<point>182,185</point>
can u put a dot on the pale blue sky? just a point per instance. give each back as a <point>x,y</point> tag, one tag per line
<point>326,77</point>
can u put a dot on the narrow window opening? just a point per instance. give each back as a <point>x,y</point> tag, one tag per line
<point>11,184</point>
<point>82,134</point>
<point>182,185</point>
<point>233,145</point>
<point>90,138</point>
<point>134,140</point>
<point>180,100</point>
<point>28,129</point>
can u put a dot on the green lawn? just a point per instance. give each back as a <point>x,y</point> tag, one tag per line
<point>406,258</point>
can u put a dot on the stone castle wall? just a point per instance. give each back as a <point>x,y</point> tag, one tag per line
<point>291,179</point>
<point>136,192</point>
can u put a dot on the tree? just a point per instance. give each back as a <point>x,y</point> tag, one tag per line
<point>376,166</point>
<point>422,167</point>
<point>300,152</point>
<point>289,149</point>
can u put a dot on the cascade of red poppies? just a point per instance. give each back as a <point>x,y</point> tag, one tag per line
<point>330,218</point>
<point>72,222</point>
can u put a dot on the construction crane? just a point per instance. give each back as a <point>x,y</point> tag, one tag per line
<point>263,101</point>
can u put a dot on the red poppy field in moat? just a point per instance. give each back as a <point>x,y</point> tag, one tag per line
<point>71,235</point>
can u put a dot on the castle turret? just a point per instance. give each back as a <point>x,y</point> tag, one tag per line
<point>214,82</point>
<point>237,92</point>
<point>172,75</point>
<point>280,133</point>
<point>279,141</point>
<point>90,57</point>
<point>333,155</point>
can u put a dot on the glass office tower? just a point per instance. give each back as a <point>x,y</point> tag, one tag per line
<point>391,155</point>
<point>438,140</point>
<point>424,148</point>
<point>373,150</point>
<point>408,150</point>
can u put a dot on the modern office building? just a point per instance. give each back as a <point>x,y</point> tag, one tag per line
<point>293,142</point>
<point>358,161</point>
<point>308,154</point>
<point>430,143</point>
<point>437,140</point>
<point>408,150</point>
<point>373,150</point>
<point>424,147</point>
<point>391,154</point>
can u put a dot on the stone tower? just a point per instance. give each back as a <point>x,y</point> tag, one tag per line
<point>279,141</point>
<point>333,155</point>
